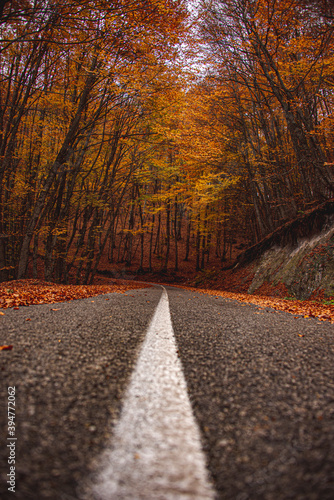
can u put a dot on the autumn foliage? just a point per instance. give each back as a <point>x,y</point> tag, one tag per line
<point>147,131</point>
<point>30,292</point>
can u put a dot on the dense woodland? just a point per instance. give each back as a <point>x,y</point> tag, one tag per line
<point>128,127</point>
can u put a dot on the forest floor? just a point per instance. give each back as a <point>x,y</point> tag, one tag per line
<point>31,291</point>
<point>231,283</point>
<point>28,292</point>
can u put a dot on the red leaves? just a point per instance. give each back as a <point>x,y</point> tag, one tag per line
<point>28,292</point>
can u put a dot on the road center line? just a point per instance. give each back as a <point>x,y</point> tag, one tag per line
<point>156,451</point>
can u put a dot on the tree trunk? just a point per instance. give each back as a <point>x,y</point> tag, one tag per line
<point>176,267</point>
<point>186,258</point>
<point>62,156</point>
<point>165,266</point>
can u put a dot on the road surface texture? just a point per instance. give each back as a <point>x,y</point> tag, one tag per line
<point>262,394</point>
<point>260,383</point>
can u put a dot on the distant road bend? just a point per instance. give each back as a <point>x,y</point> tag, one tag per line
<point>168,394</point>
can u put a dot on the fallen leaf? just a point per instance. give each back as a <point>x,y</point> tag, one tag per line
<point>32,291</point>
<point>2,314</point>
<point>311,309</point>
<point>6,347</point>
<point>55,309</point>
<point>299,335</point>
<point>28,319</point>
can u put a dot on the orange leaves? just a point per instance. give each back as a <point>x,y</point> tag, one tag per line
<point>325,317</point>
<point>28,292</point>
<point>6,347</point>
<point>304,309</point>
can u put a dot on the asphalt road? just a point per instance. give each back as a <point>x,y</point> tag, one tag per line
<point>261,385</point>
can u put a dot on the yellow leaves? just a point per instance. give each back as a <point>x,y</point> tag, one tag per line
<point>189,156</point>
<point>209,186</point>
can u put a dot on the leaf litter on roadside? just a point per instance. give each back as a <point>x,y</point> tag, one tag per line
<point>30,291</point>
<point>302,308</point>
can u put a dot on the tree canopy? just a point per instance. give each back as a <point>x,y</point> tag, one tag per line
<point>128,126</point>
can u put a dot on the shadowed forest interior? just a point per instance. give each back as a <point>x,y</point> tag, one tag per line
<point>158,136</point>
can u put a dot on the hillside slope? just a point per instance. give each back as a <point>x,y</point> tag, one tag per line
<point>297,258</point>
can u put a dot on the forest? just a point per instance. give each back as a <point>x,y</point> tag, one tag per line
<point>158,130</point>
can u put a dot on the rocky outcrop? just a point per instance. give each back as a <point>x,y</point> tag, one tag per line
<point>299,256</point>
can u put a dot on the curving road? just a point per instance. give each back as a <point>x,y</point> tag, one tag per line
<point>260,384</point>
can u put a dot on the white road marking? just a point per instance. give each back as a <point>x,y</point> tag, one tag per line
<point>156,450</point>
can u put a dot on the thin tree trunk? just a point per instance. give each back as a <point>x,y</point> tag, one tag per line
<point>56,167</point>
<point>198,244</point>
<point>186,258</point>
<point>151,244</point>
<point>35,258</point>
<point>165,266</point>
<point>176,267</point>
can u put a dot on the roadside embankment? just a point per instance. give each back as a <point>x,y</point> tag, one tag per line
<point>295,261</point>
<point>299,259</point>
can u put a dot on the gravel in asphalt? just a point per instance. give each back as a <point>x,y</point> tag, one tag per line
<point>155,453</point>
<point>70,364</point>
<point>261,385</point>
<point>262,388</point>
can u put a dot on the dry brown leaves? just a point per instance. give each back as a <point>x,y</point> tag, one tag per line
<point>28,292</point>
<point>300,308</point>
